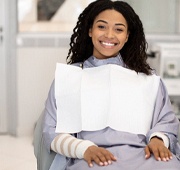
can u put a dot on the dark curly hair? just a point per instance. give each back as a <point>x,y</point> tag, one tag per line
<point>134,51</point>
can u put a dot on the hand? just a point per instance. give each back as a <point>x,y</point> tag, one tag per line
<point>158,149</point>
<point>99,155</point>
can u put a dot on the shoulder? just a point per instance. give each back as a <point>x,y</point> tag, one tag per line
<point>79,64</point>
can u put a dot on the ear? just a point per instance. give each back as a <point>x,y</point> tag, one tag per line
<point>90,32</point>
<point>127,37</point>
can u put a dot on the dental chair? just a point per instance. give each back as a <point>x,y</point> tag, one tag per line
<point>43,157</point>
<point>179,132</point>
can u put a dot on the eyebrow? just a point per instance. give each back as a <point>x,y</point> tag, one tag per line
<point>107,22</point>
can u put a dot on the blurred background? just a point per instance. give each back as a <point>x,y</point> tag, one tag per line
<point>34,36</point>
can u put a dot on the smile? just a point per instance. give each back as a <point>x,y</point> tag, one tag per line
<point>108,44</point>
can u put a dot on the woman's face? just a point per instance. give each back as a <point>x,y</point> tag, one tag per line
<point>109,33</point>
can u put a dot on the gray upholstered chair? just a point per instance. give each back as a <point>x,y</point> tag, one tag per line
<point>179,133</point>
<point>44,158</point>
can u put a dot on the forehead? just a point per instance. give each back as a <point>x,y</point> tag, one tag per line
<point>111,16</point>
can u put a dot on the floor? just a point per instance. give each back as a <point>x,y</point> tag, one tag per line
<point>16,153</point>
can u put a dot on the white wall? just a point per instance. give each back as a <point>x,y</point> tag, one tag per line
<point>35,73</point>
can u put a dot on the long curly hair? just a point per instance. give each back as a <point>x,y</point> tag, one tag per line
<point>133,52</point>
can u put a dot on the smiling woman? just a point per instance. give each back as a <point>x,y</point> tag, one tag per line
<point>107,109</point>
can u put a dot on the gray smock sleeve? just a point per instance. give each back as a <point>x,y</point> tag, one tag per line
<point>49,123</point>
<point>164,119</point>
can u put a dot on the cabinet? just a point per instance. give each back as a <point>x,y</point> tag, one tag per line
<point>168,55</point>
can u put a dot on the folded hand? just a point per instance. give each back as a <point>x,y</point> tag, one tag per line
<point>99,155</point>
<point>158,149</point>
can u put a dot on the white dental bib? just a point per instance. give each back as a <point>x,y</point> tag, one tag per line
<point>92,99</point>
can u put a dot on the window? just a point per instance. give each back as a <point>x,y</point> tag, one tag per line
<point>158,16</point>
<point>49,15</point>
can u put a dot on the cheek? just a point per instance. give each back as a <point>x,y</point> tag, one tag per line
<point>94,37</point>
<point>94,42</point>
<point>122,42</point>
<point>124,39</point>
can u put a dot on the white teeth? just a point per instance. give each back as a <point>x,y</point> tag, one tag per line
<point>108,44</point>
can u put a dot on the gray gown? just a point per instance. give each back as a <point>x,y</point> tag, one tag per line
<point>128,148</point>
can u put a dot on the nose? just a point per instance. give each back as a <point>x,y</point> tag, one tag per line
<point>109,33</point>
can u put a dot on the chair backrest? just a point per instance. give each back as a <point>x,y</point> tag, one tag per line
<point>179,132</point>
<point>44,158</point>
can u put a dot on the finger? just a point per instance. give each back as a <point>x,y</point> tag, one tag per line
<point>147,152</point>
<point>113,158</point>
<point>90,163</point>
<point>156,154</point>
<point>110,157</point>
<point>104,158</point>
<point>162,154</point>
<point>96,159</point>
<point>168,154</point>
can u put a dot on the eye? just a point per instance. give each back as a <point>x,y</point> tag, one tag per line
<point>119,29</point>
<point>101,27</point>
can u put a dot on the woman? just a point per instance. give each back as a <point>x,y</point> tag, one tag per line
<point>110,32</point>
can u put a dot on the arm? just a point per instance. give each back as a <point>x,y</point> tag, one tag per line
<point>69,146</point>
<point>165,124</point>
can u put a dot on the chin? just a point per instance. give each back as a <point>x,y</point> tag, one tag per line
<point>105,55</point>
<point>110,56</point>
